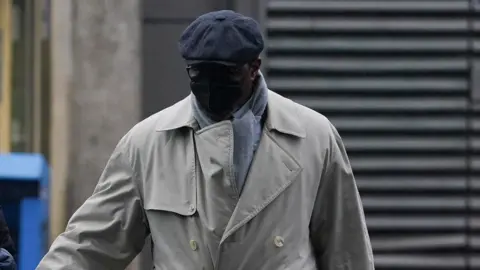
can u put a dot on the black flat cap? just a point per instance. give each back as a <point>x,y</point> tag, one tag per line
<point>221,36</point>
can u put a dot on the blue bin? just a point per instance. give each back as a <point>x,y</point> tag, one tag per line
<point>24,192</point>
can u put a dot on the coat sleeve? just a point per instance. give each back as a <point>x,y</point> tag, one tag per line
<point>338,231</point>
<point>6,241</point>
<point>108,230</point>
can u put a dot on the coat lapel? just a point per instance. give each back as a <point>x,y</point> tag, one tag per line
<point>273,169</point>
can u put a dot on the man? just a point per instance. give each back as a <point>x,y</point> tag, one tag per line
<point>232,177</point>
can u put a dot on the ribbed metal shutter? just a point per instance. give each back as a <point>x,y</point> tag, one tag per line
<point>393,77</point>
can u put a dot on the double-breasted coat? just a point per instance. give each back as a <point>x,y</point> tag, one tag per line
<point>299,208</point>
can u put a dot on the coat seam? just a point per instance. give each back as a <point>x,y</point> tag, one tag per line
<point>134,179</point>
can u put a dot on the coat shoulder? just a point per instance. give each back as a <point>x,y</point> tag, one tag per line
<point>147,130</point>
<point>313,122</point>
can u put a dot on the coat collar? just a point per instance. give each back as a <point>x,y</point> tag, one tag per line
<point>282,116</point>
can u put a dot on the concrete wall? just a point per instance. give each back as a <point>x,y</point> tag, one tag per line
<point>95,88</point>
<point>105,97</point>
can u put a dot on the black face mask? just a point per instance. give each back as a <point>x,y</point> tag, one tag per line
<point>217,97</point>
<point>217,87</point>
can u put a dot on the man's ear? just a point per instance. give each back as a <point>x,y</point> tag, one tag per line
<point>256,64</point>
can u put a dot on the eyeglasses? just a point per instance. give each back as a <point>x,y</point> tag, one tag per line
<point>216,71</point>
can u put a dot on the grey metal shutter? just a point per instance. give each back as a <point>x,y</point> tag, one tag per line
<point>393,77</point>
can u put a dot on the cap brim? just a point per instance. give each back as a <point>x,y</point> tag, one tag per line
<point>193,62</point>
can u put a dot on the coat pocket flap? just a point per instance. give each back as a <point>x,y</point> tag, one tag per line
<point>172,204</point>
<point>171,196</point>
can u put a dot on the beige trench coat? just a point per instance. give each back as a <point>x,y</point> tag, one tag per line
<point>299,208</point>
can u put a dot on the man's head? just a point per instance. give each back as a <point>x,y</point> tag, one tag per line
<point>222,51</point>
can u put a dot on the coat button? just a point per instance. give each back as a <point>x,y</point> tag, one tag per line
<point>193,245</point>
<point>191,208</point>
<point>278,241</point>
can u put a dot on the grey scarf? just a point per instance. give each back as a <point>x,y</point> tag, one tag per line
<point>247,128</point>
